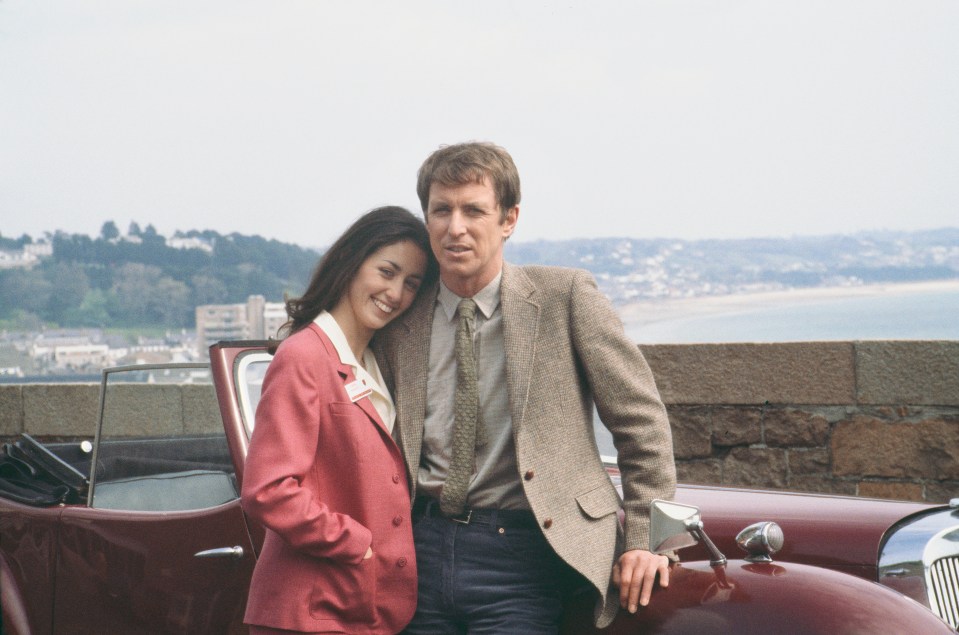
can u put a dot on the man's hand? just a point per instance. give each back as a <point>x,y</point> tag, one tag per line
<point>635,575</point>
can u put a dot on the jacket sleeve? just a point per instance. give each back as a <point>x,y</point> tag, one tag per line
<point>280,463</point>
<point>629,405</point>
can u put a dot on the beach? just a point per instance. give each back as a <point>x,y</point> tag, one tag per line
<point>646,312</point>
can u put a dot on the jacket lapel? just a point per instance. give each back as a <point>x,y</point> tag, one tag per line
<point>520,330</point>
<point>346,374</point>
<point>409,362</point>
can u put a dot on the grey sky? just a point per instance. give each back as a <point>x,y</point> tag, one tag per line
<point>645,119</point>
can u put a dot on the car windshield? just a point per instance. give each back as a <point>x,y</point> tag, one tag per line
<point>251,366</point>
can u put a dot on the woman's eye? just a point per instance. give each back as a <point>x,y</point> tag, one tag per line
<point>388,273</point>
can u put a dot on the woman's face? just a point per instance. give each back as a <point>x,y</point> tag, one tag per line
<point>383,287</point>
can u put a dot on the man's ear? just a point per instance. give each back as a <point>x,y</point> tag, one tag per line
<point>509,223</point>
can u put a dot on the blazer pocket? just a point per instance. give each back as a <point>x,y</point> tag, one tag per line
<point>345,592</point>
<point>598,502</point>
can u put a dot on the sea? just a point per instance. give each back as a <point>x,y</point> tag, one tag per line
<point>917,315</point>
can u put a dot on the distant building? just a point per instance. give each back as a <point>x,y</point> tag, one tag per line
<point>186,242</point>
<point>81,356</point>
<point>255,320</point>
<point>27,257</point>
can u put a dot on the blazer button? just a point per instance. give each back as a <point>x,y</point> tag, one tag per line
<point>397,520</point>
<point>401,562</point>
<point>547,523</point>
<point>529,475</point>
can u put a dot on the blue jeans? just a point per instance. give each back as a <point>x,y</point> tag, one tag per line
<point>497,575</point>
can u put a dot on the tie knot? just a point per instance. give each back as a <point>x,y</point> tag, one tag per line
<point>467,308</point>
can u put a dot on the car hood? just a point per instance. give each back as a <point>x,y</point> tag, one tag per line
<point>840,532</point>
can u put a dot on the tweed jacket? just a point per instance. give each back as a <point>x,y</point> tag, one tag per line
<point>566,350</point>
<point>325,478</point>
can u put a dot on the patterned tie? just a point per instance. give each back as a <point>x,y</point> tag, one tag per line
<point>465,410</point>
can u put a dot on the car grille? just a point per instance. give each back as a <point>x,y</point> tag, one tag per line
<point>943,576</point>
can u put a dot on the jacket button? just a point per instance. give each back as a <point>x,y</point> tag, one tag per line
<point>529,475</point>
<point>547,523</point>
<point>396,478</point>
<point>401,562</point>
<point>397,520</point>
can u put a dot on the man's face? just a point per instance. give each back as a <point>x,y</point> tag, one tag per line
<point>467,234</point>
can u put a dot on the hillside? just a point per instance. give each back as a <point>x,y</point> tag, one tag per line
<point>145,279</point>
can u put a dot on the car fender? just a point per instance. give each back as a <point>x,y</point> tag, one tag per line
<point>784,598</point>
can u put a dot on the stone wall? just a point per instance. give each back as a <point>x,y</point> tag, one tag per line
<point>862,418</point>
<point>877,419</point>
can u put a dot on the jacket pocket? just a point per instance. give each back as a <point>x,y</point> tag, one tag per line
<point>345,592</point>
<point>598,502</point>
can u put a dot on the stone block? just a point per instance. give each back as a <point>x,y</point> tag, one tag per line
<point>143,410</point>
<point>60,409</point>
<point>808,462</point>
<point>789,427</point>
<point>891,490</point>
<point>791,373</point>
<point>940,492</point>
<point>822,485</point>
<point>201,413</point>
<point>755,467</point>
<point>868,447</point>
<point>920,373</point>
<point>11,410</point>
<point>736,426</point>
<point>708,472</point>
<point>691,432</point>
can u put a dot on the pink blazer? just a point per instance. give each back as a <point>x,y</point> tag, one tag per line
<point>326,479</point>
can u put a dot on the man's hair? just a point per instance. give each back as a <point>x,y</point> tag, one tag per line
<point>471,162</point>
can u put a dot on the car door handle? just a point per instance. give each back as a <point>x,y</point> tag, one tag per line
<point>221,552</point>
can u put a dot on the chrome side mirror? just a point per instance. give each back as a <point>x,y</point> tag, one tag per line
<point>675,526</point>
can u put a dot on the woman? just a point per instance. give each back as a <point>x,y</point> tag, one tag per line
<point>323,473</point>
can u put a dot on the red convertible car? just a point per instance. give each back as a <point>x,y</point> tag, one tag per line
<point>140,530</point>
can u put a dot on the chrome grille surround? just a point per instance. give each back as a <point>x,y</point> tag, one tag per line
<point>920,559</point>
<point>940,559</point>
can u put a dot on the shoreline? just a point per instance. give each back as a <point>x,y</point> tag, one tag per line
<point>645,312</point>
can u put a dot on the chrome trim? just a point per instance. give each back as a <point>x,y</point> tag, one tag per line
<point>920,559</point>
<point>940,559</point>
<point>222,552</point>
<point>761,540</point>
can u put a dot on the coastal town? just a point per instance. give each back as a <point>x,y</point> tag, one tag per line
<point>658,275</point>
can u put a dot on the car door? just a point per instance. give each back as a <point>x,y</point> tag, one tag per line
<point>162,545</point>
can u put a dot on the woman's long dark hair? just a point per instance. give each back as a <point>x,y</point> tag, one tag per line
<point>377,228</point>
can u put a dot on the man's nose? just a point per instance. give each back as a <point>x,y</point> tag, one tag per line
<point>457,225</point>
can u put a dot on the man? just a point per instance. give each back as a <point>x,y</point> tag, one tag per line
<point>535,512</point>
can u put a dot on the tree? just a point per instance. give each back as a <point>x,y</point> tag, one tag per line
<point>95,309</point>
<point>69,286</point>
<point>26,290</point>
<point>169,303</point>
<point>109,231</point>
<point>132,283</point>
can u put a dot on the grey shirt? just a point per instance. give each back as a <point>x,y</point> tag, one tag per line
<point>495,482</point>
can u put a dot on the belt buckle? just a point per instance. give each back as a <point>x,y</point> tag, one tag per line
<point>461,520</point>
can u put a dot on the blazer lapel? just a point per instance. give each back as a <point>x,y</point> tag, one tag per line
<point>520,330</point>
<point>346,374</point>
<point>410,360</point>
